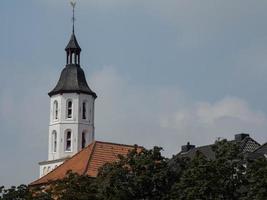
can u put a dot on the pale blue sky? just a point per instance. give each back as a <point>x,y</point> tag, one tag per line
<point>166,72</point>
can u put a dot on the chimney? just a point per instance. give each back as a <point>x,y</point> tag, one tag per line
<point>187,147</point>
<point>241,136</point>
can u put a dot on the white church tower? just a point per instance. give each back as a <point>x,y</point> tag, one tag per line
<point>71,125</point>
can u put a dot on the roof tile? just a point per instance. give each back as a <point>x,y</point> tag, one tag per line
<point>87,161</point>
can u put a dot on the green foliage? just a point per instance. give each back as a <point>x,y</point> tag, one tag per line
<point>221,178</point>
<point>257,178</point>
<point>74,186</point>
<point>147,175</point>
<point>196,181</point>
<point>15,193</point>
<point>140,175</point>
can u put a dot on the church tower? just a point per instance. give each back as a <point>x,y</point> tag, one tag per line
<point>71,124</point>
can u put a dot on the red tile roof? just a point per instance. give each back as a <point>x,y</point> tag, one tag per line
<point>87,161</point>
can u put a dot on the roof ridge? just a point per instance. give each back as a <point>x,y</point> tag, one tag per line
<point>87,161</point>
<point>119,144</point>
<point>90,158</point>
<point>261,146</point>
<point>246,140</point>
<point>254,141</point>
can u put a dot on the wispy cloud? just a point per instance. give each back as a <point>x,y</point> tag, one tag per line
<point>197,72</point>
<point>126,112</point>
<point>165,116</point>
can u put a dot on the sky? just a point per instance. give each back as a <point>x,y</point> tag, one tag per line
<point>165,72</point>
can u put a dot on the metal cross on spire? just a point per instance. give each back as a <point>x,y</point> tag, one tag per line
<point>73,4</point>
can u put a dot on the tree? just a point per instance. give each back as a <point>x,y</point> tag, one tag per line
<point>74,186</point>
<point>197,181</point>
<point>257,179</point>
<point>143,174</point>
<point>230,167</point>
<point>220,178</point>
<point>15,193</point>
<point>147,175</point>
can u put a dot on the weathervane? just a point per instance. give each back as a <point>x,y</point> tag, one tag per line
<point>73,4</point>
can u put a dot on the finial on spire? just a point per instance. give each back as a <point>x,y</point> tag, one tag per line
<point>73,4</point>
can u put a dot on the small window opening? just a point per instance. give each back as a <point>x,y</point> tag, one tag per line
<point>69,109</point>
<point>84,110</point>
<point>68,141</point>
<point>54,141</point>
<point>83,139</point>
<point>55,110</point>
<point>69,58</point>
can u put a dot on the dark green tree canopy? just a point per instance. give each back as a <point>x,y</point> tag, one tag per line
<point>147,175</point>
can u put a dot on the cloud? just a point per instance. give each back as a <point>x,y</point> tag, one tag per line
<point>222,47</point>
<point>126,112</point>
<point>165,116</point>
<point>204,122</point>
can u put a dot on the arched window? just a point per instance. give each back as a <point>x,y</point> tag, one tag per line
<point>68,140</point>
<point>84,110</point>
<point>48,169</point>
<point>83,139</point>
<point>69,109</point>
<point>54,141</point>
<point>55,110</point>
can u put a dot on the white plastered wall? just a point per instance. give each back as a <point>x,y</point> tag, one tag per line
<point>46,168</point>
<point>76,124</point>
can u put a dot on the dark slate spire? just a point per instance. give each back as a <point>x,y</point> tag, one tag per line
<point>72,78</point>
<point>73,44</point>
<point>73,49</point>
<point>73,4</point>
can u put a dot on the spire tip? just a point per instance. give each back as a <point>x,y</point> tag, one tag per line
<point>73,4</point>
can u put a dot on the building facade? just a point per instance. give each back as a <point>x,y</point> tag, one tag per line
<point>72,107</point>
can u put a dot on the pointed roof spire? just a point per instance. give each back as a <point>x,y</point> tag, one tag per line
<point>72,78</point>
<point>73,4</point>
<point>73,44</point>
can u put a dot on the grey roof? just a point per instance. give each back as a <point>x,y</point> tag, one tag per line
<point>253,156</point>
<point>72,80</point>
<point>73,44</point>
<point>246,145</point>
<point>249,145</point>
<point>262,149</point>
<point>260,152</point>
<point>205,150</point>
